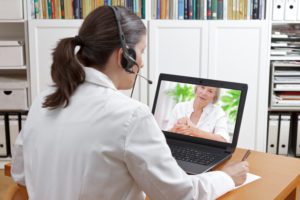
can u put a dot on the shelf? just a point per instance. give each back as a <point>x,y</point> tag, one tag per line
<point>287,74</point>
<point>285,108</point>
<point>13,68</point>
<point>287,82</point>
<point>285,57</point>
<point>12,20</point>
<point>285,22</point>
<point>290,90</point>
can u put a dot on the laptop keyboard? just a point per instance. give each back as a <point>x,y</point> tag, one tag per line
<point>192,155</point>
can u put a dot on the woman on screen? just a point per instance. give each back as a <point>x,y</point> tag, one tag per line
<point>200,117</point>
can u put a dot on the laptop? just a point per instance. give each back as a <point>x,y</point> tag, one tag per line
<point>200,118</point>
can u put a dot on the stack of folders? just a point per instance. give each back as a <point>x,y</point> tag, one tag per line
<point>9,130</point>
<point>279,134</point>
<point>285,40</point>
<point>286,10</point>
<point>286,84</point>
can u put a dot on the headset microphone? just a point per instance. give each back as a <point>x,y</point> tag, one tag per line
<point>148,80</point>
<point>138,74</point>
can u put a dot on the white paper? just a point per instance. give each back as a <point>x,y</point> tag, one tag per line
<point>250,178</point>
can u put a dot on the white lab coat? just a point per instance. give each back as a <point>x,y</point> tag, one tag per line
<point>104,145</point>
<point>213,119</point>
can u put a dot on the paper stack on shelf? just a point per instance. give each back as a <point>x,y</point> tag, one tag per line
<point>285,40</point>
<point>285,84</point>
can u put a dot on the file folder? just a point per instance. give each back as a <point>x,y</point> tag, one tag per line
<point>13,130</point>
<point>284,134</point>
<point>290,10</point>
<point>278,9</point>
<point>16,122</point>
<point>273,134</point>
<point>3,140</point>
<point>298,11</point>
<point>298,138</point>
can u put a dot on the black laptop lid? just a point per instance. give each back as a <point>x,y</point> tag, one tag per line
<point>222,103</point>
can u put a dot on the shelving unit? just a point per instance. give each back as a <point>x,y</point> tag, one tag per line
<point>284,87</point>
<point>14,79</point>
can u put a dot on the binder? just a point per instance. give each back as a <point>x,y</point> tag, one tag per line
<point>290,10</point>
<point>3,140</point>
<point>278,9</point>
<point>284,134</point>
<point>273,134</point>
<point>298,138</point>
<point>16,122</point>
<point>298,11</point>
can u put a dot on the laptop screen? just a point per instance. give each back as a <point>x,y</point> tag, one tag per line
<point>207,111</point>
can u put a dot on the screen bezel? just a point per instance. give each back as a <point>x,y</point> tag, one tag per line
<point>213,83</point>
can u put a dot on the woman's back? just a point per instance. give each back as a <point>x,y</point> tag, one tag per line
<point>80,147</point>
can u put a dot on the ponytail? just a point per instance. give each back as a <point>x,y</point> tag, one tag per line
<point>67,74</point>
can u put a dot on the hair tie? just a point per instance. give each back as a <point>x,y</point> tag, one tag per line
<point>78,41</point>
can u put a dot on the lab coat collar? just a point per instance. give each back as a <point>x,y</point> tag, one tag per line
<point>206,112</point>
<point>207,109</point>
<point>96,77</point>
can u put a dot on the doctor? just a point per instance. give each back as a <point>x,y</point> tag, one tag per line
<point>200,117</point>
<point>83,139</point>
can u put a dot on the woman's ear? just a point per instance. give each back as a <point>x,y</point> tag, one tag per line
<point>119,57</point>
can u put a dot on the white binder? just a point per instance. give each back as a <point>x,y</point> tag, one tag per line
<point>298,11</point>
<point>14,129</point>
<point>298,138</point>
<point>278,9</point>
<point>290,10</point>
<point>284,134</point>
<point>3,145</point>
<point>273,134</point>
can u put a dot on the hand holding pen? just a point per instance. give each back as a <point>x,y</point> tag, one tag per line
<point>238,171</point>
<point>246,155</point>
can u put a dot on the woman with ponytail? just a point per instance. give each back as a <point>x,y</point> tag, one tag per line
<point>83,139</point>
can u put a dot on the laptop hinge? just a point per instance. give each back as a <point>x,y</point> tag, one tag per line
<point>229,150</point>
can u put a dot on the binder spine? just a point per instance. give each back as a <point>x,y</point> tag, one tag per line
<point>298,137</point>
<point>273,134</point>
<point>284,134</point>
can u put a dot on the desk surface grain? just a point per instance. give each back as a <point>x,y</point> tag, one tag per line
<point>280,175</point>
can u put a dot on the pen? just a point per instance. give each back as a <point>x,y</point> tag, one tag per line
<point>246,155</point>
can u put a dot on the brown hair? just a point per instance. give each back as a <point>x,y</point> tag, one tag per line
<point>217,95</point>
<point>98,38</point>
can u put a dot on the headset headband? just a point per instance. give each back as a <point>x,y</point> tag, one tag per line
<point>121,34</point>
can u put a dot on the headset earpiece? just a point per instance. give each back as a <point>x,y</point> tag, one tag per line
<point>128,60</point>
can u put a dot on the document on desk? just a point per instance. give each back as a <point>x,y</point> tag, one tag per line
<point>250,178</point>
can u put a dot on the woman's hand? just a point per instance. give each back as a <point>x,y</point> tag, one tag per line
<point>186,127</point>
<point>237,171</point>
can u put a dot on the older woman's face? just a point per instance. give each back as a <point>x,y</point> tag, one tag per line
<point>205,94</point>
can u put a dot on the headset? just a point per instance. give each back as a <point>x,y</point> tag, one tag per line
<point>129,54</point>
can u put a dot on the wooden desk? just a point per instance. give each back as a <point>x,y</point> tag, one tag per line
<point>280,178</point>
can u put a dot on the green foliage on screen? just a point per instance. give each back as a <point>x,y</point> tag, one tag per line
<point>181,93</point>
<point>230,102</point>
